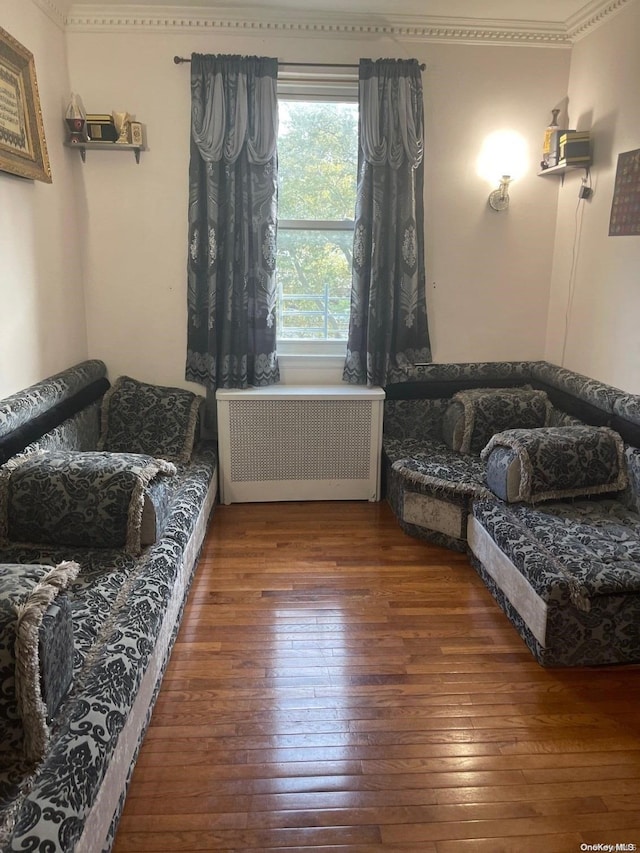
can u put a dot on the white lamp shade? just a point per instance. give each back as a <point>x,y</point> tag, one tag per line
<point>503,152</point>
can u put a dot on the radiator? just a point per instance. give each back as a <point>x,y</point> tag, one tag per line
<point>290,443</point>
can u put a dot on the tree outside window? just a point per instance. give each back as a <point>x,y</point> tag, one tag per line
<point>317,173</point>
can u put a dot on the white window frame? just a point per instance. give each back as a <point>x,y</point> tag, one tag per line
<point>315,85</point>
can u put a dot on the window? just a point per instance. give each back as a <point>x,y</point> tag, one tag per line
<point>317,173</point>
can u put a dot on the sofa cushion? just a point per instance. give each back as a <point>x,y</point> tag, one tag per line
<point>475,415</point>
<point>56,648</point>
<point>431,463</point>
<point>632,496</point>
<point>152,419</point>
<point>568,551</point>
<point>34,619</point>
<point>566,575</point>
<point>429,488</point>
<point>96,499</point>
<point>554,462</point>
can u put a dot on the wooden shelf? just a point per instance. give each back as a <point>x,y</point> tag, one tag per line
<point>83,147</point>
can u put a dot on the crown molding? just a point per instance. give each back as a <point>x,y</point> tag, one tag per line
<point>591,16</point>
<point>52,11</point>
<point>105,17</point>
<point>83,18</point>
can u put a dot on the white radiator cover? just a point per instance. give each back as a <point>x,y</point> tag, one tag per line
<point>290,443</point>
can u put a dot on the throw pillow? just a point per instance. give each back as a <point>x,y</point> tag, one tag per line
<point>150,419</point>
<point>555,462</point>
<point>35,617</point>
<point>92,500</point>
<point>475,415</point>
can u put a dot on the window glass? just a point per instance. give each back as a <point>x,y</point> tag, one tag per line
<point>317,171</point>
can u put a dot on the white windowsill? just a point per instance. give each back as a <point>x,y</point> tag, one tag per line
<point>310,368</point>
<point>312,359</point>
<point>311,347</point>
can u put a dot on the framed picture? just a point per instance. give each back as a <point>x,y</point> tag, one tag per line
<point>625,207</point>
<point>23,150</point>
<point>136,132</point>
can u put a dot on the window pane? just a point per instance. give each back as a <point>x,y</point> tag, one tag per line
<point>317,173</point>
<point>314,284</point>
<point>317,160</point>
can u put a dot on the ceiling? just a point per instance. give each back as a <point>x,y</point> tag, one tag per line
<point>549,11</point>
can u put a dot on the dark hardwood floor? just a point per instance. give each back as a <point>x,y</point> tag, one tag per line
<point>339,686</point>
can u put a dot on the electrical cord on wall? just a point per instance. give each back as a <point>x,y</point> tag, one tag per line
<point>585,192</point>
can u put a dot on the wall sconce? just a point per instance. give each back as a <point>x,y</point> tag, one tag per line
<point>503,158</point>
<point>499,199</point>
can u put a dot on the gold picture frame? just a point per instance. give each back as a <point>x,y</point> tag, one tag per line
<point>23,149</point>
<point>135,132</point>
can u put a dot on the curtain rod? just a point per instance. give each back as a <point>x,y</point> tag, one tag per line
<point>180,59</point>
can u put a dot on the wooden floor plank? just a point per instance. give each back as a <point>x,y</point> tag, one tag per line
<point>339,686</point>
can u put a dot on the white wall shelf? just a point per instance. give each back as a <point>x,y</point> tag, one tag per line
<point>83,147</point>
<point>563,168</point>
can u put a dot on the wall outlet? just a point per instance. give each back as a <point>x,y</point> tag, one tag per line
<point>585,192</point>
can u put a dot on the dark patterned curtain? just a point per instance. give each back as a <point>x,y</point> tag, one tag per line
<point>388,329</point>
<point>231,301</point>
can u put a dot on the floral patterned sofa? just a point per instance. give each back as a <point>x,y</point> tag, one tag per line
<point>561,556</point>
<point>99,538</point>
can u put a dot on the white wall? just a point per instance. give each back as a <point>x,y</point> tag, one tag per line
<point>42,320</point>
<point>496,287</point>
<point>599,301</point>
<point>488,273</point>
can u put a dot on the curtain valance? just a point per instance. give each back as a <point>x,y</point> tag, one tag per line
<point>391,112</point>
<point>234,101</point>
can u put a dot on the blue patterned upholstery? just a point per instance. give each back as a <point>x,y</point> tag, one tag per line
<point>633,468</point>
<point>27,593</point>
<point>555,462</point>
<point>91,498</point>
<point>580,562</point>
<point>566,575</point>
<point>473,416</point>
<point>34,401</point>
<point>149,419</point>
<point>589,391</point>
<point>125,611</point>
